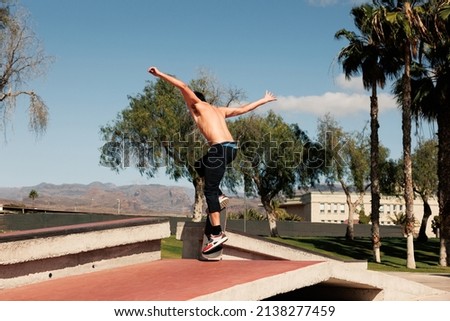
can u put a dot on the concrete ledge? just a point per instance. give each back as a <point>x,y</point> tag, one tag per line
<point>270,286</point>
<point>38,255</point>
<point>393,288</point>
<point>327,281</point>
<point>244,246</point>
<point>239,245</point>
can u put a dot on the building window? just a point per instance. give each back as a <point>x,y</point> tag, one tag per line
<point>322,208</point>
<point>342,208</point>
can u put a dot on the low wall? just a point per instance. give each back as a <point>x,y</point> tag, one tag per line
<point>297,229</point>
<point>249,247</point>
<point>37,255</point>
<point>306,229</point>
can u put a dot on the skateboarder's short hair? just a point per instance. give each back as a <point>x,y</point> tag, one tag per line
<point>200,96</point>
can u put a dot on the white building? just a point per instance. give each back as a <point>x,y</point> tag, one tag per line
<point>331,207</point>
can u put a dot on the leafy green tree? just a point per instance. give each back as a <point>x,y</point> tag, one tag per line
<point>424,162</point>
<point>156,131</point>
<point>391,178</point>
<point>22,58</point>
<point>436,225</point>
<point>4,13</point>
<point>363,218</point>
<point>336,145</point>
<point>349,164</point>
<point>270,155</point>
<point>358,150</point>
<point>33,194</point>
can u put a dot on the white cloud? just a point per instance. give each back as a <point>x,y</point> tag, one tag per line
<point>336,103</point>
<point>354,84</point>
<point>349,98</point>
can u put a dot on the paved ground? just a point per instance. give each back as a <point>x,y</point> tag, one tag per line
<point>164,280</point>
<point>437,281</point>
<point>175,280</point>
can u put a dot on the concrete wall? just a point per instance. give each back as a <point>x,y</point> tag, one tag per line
<point>303,229</point>
<point>38,255</point>
<point>296,229</point>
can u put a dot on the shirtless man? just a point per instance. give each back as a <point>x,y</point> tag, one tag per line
<point>211,123</point>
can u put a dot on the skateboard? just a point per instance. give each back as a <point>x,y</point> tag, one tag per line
<point>215,254</point>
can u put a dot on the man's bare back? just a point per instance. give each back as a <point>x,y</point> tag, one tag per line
<point>211,122</point>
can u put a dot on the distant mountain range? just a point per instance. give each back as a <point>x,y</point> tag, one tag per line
<point>99,197</point>
<point>104,198</point>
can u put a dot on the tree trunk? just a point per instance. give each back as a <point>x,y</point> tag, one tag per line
<point>198,199</point>
<point>423,225</point>
<point>443,255</point>
<point>350,232</point>
<point>273,224</point>
<point>444,183</point>
<point>407,162</point>
<point>271,217</point>
<point>376,242</point>
<point>374,175</point>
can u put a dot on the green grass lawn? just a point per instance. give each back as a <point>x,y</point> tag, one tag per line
<point>393,251</point>
<point>171,248</point>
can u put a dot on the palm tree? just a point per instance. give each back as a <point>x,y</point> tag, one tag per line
<point>441,65</point>
<point>367,56</point>
<point>33,195</point>
<point>430,88</point>
<point>399,24</point>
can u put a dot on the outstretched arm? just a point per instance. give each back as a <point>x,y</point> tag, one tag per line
<point>189,96</point>
<point>236,111</point>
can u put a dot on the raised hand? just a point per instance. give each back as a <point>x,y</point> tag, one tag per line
<point>154,71</point>
<point>269,96</point>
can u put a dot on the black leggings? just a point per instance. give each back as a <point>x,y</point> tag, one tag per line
<point>212,167</point>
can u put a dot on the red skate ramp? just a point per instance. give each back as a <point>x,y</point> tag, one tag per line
<point>174,280</point>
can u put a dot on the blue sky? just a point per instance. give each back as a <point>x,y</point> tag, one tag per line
<point>102,50</point>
